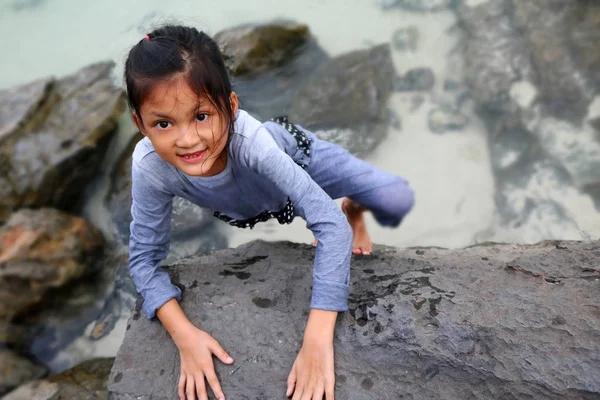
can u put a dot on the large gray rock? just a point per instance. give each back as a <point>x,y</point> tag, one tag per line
<point>251,49</point>
<point>41,250</point>
<point>85,381</point>
<point>53,135</point>
<point>497,321</point>
<point>345,100</point>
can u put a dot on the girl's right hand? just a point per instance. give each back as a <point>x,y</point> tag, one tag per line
<point>196,352</point>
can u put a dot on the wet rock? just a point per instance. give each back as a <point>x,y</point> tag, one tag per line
<point>270,93</point>
<point>484,322</point>
<point>544,42</point>
<point>16,370</point>
<point>446,119</point>
<point>79,315</point>
<point>250,49</point>
<point>415,79</point>
<point>42,250</point>
<point>86,381</point>
<point>406,39</point>
<point>532,82</point>
<point>595,123</point>
<point>187,220</point>
<point>417,5</point>
<point>345,100</point>
<point>53,135</point>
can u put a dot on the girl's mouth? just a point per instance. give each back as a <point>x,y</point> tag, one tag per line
<point>192,158</point>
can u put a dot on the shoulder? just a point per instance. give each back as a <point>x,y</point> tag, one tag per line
<point>250,137</point>
<point>146,157</point>
<point>147,166</point>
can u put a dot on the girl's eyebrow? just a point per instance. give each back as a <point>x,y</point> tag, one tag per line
<point>161,116</point>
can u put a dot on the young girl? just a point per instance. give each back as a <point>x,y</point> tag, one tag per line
<point>199,145</point>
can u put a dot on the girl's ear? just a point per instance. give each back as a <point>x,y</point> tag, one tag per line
<point>233,99</point>
<point>138,122</point>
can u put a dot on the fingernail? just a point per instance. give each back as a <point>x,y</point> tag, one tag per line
<point>229,360</point>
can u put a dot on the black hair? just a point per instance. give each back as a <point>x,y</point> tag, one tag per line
<point>175,49</point>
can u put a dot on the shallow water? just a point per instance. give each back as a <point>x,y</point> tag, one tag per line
<point>451,173</point>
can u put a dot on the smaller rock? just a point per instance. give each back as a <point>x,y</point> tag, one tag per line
<point>595,123</point>
<point>416,102</point>
<point>85,381</point>
<point>387,4</point>
<point>406,39</point>
<point>16,370</point>
<point>42,250</point>
<point>345,100</point>
<point>451,85</point>
<point>415,79</point>
<point>250,49</point>
<point>395,120</point>
<point>445,119</point>
<point>417,5</point>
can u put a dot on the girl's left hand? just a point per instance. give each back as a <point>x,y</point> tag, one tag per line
<point>313,374</point>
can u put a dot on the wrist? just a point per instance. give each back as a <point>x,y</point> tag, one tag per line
<point>320,326</point>
<point>183,336</point>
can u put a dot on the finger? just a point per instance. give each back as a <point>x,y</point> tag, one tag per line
<point>291,381</point>
<point>190,388</point>
<point>318,393</point>
<point>307,394</point>
<point>329,390</point>
<point>200,387</point>
<point>181,387</point>
<point>211,377</point>
<point>297,393</point>
<point>221,354</point>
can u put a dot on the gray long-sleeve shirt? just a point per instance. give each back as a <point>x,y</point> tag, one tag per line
<point>260,175</point>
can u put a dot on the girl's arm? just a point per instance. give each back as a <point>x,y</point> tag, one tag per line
<point>149,239</point>
<point>149,244</point>
<point>312,374</point>
<point>331,273</point>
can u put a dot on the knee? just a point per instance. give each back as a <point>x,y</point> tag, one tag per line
<point>400,201</point>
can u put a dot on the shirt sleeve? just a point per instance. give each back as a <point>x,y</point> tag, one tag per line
<point>331,273</point>
<point>149,240</point>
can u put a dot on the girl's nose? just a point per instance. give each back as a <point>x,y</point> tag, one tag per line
<point>188,137</point>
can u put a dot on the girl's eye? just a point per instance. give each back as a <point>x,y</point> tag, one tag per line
<point>201,117</point>
<point>162,124</point>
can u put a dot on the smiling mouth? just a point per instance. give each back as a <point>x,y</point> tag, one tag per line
<point>192,157</point>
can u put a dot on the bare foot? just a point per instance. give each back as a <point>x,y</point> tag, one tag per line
<point>362,241</point>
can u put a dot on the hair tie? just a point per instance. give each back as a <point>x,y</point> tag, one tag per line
<point>147,37</point>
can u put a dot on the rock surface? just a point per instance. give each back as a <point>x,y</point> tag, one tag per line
<point>250,49</point>
<point>53,135</point>
<point>16,370</point>
<point>85,381</point>
<point>345,100</point>
<point>497,321</point>
<point>42,250</point>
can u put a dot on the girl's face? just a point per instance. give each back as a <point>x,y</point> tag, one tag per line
<point>185,131</point>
